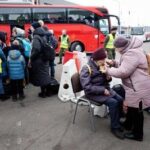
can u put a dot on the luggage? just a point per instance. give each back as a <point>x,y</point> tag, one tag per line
<point>118,88</point>
<point>54,86</point>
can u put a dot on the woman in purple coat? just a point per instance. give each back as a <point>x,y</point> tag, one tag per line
<point>132,69</point>
<point>96,88</point>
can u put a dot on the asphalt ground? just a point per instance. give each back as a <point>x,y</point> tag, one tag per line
<point>46,124</point>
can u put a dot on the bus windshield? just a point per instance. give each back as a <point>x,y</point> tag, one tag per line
<point>137,31</point>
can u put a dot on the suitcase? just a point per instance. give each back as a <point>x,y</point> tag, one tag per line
<point>54,86</point>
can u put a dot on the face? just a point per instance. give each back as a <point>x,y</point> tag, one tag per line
<point>118,49</point>
<point>100,62</point>
<point>31,28</point>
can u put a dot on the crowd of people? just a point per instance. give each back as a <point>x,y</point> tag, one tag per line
<point>22,62</point>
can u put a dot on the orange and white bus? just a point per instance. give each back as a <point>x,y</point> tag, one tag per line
<point>86,26</point>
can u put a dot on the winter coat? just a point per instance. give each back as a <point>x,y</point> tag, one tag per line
<point>39,69</point>
<point>16,65</point>
<point>3,58</point>
<point>95,83</point>
<point>132,69</point>
<point>4,63</point>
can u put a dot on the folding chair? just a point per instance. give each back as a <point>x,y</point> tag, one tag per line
<point>76,85</point>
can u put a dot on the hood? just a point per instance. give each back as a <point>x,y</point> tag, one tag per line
<point>14,54</point>
<point>135,43</point>
<point>39,31</point>
<point>20,32</point>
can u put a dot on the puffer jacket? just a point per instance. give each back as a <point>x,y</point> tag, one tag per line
<point>95,83</point>
<point>39,72</point>
<point>16,65</point>
<point>132,69</point>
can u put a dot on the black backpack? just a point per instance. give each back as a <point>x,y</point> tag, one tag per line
<point>118,88</point>
<point>48,52</point>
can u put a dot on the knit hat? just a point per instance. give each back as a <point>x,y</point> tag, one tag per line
<point>3,36</point>
<point>113,28</point>
<point>99,54</point>
<point>36,25</point>
<point>121,42</point>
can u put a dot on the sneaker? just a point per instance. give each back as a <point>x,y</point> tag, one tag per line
<point>117,133</point>
<point>131,136</point>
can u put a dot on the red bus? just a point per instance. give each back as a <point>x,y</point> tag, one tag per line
<point>86,26</point>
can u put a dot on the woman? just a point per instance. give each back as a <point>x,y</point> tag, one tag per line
<point>132,69</point>
<point>39,69</point>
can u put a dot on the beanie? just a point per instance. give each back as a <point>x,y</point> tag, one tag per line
<point>113,28</point>
<point>99,54</point>
<point>121,42</point>
<point>36,25</point>
<point>3,36</point>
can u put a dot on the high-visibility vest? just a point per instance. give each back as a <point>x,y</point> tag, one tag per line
<point>110,42</point>
<point>64,42</point>
<point>0,65</point>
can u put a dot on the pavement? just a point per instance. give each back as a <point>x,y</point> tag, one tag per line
<point>46,124</point>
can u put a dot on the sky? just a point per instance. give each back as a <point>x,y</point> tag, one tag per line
<point>131,12</point>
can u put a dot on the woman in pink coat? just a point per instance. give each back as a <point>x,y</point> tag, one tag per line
<point>132,69</point>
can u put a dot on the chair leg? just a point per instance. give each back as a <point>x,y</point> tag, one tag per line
<point>75,112</point>
<point>91,117</point>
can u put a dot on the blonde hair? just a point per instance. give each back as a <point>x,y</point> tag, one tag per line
<point>41,22</point>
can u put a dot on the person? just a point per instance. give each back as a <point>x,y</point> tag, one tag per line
<point>108,44</point>
<point>16,70</point>
<point>96,88</point>
<point>3,68</point>
<point>2,60</point>
<point>64,44</point>
<point>132,69</point>
<point>39,69</point>
<point>52,41</point>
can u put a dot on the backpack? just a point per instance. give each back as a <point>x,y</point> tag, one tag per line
<point>148,62</point>
<point>26,45</point>
<point>48,52</point>
<point>53,42</point>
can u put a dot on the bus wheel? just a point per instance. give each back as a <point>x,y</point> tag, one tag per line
<point>77,46</point>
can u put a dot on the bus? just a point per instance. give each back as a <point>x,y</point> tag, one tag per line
<point>86,26</point>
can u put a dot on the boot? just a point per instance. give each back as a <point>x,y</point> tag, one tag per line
<point>60,61</point>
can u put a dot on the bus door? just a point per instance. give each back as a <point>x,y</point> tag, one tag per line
<point>103,29</point>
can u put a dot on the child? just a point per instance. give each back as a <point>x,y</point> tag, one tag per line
<point>16,68</point>
<point>96,88</point>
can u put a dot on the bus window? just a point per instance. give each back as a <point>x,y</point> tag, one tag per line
<point>80,16</point>
<point>104,26</point>
<point>50,15</point>
<point>14,16</point>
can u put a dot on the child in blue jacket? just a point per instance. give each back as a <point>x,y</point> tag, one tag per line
<point>16,69</point>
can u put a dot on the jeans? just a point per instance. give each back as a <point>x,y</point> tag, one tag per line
<point>52,68</point>
<point>114,104</point>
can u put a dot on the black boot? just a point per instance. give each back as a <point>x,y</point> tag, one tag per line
<point>4,97</point>
<point>60,61</point>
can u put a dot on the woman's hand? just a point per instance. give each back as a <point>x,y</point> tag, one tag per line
<point>125,106</point>
<point>110,62</point>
